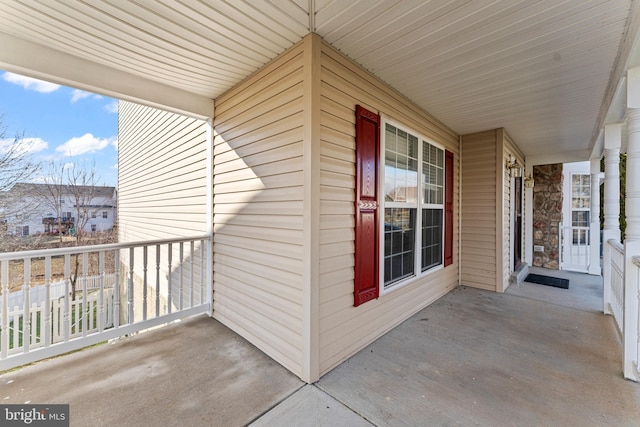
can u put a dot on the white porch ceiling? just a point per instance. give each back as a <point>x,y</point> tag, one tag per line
<point>545,70</point>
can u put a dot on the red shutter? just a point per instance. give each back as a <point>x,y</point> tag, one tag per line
<point>448,208</point>
<point>366,221</point>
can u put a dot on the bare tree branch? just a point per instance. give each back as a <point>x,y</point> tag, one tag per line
<point>73,194</point>
<point>16,165</point>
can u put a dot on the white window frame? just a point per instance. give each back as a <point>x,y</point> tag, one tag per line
<point>584,209</point>
<point>419,206</point>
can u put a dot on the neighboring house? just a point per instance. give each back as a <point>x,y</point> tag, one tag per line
<point>30,209</point>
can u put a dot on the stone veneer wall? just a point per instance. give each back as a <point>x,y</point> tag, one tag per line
<point>547,214</point>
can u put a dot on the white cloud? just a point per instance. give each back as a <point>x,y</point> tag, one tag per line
<point>23,146</point>
<point>112,107</point>
<point>78,94</point>
<point>86,143</point>
<point>30,84</point>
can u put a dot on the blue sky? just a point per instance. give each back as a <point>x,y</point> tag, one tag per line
<point>66,125</point>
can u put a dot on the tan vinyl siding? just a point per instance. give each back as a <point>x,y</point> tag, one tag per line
<point>479,211</point>
<point>258,209</point>
<point>162,178</point>
<point>345,329</point>
<point>162,182</point>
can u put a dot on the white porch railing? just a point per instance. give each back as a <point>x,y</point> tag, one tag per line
<point>632,320</point>
<point>132,287</point>
<point>621,271</point>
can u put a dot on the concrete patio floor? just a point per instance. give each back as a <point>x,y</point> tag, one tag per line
<point>528,357</point>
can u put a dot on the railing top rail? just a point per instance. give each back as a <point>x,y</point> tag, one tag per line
<point>39,253</point>
<point>616,245</point>
<point>636,260</point>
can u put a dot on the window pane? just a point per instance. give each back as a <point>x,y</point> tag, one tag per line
<point>580,218</point>
<point>580,191</point>
<point>399,244</point>
<point>431,238</point>
<point>401,166</point>
<point>432,174</point>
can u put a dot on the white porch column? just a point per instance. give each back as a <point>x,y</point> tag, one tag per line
<point>632,233</point>
<point>612,142</point>
<point>594,240</point>
<point>611,229</point>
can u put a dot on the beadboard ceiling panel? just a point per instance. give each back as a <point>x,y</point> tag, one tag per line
<point>541,69</point>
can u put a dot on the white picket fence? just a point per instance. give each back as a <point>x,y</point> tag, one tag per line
<point>38,293</point>
<point>48,323</point>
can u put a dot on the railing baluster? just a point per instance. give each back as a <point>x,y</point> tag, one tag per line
<point>116,290</point>
<point>130,311</point>
<point>102,273</point>
<point>202,280</point>
<point>26,314</point>
<point>157,280</point>
<point>209,278</point>
<point>169,290</point>
<point>66,316</point>
<point>145,285</point>
<point>47,305</point>
<point>191,254</point>
<point>85,305</point>
<point>4,321</point>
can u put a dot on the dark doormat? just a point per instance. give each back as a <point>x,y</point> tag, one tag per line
<point>556,282</point>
